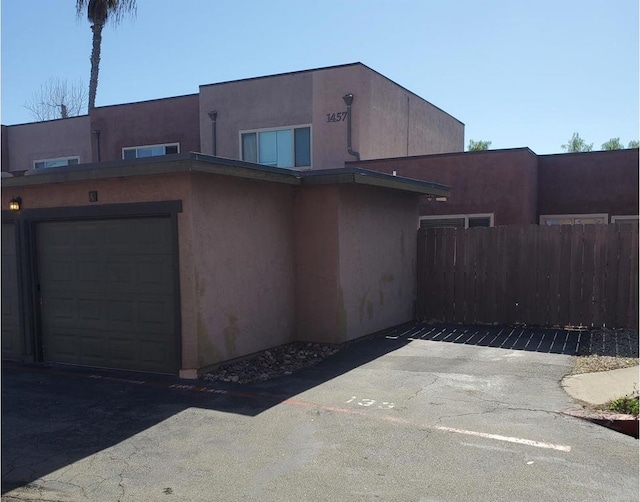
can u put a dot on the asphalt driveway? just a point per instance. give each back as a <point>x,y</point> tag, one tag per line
<point>404,416</point>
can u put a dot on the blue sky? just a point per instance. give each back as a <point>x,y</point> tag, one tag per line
<point>516,73</point>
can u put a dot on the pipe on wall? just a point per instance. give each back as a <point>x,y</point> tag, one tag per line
<point>97,134</point>
<point>348,100</point>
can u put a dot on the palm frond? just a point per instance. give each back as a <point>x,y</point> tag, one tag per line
<point>99,11</point>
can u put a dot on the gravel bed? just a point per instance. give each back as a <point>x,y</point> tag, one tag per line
<point>606,349</point>
<point>283,360</point>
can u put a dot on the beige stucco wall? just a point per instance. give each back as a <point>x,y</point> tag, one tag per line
<point>355,261</point>
<point>242,259</point>
<point>377,259</point>
<point>330,138</point>
<point>399,123</point>
<point>317,265</point>
<point>259,103</point>
<point>387,120</point>
<point>262,264</point>
<point>48,140</point>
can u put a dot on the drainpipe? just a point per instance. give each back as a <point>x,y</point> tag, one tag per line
<point>97,134</point>
<point>213,116</point>
<point>348,100</point>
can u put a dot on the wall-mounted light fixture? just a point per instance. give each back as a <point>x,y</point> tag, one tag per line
<point>15,203</point>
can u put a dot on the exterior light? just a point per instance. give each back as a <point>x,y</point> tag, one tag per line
<point>15,203</point>
<point>441,199</point>
<point>348,99</point>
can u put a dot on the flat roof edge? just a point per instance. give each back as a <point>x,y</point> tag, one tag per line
<point>373,178</point>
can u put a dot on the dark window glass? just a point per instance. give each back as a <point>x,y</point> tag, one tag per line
<point>72,162</point>
<point>250,147</point>
<point>129,154</point>
<point>303,146</point>
<point>171,149</point>
<point>479,222</point>
<point>442,223</point>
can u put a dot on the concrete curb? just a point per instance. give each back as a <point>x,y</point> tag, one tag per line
<point>625,424</point>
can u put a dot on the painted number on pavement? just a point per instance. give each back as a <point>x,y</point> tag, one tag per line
<point>385,405</point>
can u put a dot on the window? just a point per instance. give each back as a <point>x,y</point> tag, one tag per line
<point>137,152</point>
<point>625,219</point>
<point>60,162</point>
<point>278,147</point>
<point>573,219</point>
<point>457,221</point>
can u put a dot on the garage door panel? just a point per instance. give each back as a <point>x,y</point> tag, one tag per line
<point>12,341</point>
<point>127,312</point>
<point>111,293</point>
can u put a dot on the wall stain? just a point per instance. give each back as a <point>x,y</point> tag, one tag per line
<point>369,309</point>
<point>208,353</point>
<point>381,298</point>
<point>231,333</point>
<point>363,302</point>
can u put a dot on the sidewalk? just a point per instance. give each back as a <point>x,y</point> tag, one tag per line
<point>598,388</point>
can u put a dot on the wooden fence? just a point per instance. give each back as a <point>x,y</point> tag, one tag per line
<point>569,275</point>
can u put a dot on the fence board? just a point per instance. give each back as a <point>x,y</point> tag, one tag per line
<point>528,275</point>
<point>588,275</point>
<point>611,276</point>
<point>502,253</point>
<point>459,274</point>
<point>575,275</point>
<point>481,276</point>
<point>632,315</point>
<point>542,276</point>
<point>491,274</point>
<point>449,274</point>
<point>624,271</point>
<point>470,258</point>
<point>546,276</point>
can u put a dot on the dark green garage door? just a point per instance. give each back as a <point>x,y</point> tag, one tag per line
<point>11,337</point>
<point>107,293</point>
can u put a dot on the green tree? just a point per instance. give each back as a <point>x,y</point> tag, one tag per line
<point>98,12</point>
<point>634,144</point>
<point>612,144</point>
<point>475,146</point>
<point>577,144</point>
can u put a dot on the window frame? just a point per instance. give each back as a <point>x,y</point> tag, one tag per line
<point>625,218</point>
<point>137,147</point>
<point>293,143</point>
<point>70,157</point>
<point>544,217</point>
<point>466,217</point>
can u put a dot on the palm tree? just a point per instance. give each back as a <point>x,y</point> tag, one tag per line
<point>98,13</point>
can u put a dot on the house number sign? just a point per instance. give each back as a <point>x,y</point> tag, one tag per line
<point>336,117</point>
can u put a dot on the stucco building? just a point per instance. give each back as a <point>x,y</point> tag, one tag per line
<point>312,119</point>
<point>517,187</point>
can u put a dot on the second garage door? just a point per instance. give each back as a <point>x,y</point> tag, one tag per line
<point>107,293</point>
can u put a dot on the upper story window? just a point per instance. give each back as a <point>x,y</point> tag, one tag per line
<point>137,152</point>
<point>573,219</point>
<point>289,147</point>
<point>59,162</point>
<point>457,221</point>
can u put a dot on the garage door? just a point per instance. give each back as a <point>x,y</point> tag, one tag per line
<point>107,293</point>
<point>11,338</point>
